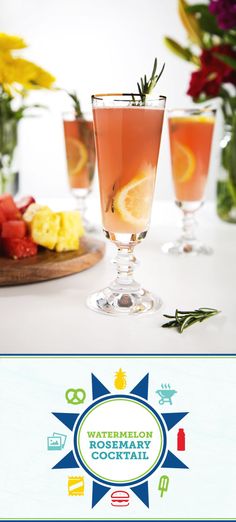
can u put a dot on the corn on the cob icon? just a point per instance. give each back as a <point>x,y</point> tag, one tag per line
<point>163,484</point>
<point>120,380</point>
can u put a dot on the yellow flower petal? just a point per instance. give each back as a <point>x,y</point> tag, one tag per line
<point>23,72</point>
<point>43,78</point>
<point>18,74</point>
<point>10,42</point>
<point>190,23</point>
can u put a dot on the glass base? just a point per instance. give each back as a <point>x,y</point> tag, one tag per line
<point>90,227</point>
<point>114,302</point>
<point>186,247</point>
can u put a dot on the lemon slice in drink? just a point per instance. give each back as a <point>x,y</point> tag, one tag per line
<point>193,119</point>
<point>133,201</point>
<point>184,162</point>
<point>77,156</point>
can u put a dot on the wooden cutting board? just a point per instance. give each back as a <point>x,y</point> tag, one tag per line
<point>48,265</point>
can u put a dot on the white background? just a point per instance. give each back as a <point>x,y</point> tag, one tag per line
<point>30,389</point>
<point>93,46</point>
<point>52,317</point>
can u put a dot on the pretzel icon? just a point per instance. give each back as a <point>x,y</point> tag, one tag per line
<point>75,396</point>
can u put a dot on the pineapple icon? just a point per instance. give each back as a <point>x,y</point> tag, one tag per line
<point>120,380</point>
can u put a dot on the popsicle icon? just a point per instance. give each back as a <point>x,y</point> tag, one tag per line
<point>163,484</point>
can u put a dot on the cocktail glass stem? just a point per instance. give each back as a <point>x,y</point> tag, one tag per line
<point>188,238</point>
<point>125,262</point>
<point>188,242</point>
<point>124,295</point>
<point>82,207</point>
<point>189,226</point>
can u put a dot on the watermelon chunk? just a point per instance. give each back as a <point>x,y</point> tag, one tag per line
<point>8,207</point>
<point>19,248</point>
<point>14,228</point>
<point>2,219</point>
<point>2,216</point>
<point>24,202</point>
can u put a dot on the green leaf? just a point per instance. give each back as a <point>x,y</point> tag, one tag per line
<point>170,324</point>
<point>206,20</point>
<point>226,59</point>
<point>226,199</point>
<point>154,68</point>
<point>232,159</point>
<point>232,103</point>
<point>161,71</point>
<point>184,319</point>
<point>77,106</point>
<point>229,38</point>
<point>146,86</point>
<point>182,52</point>
<point>196,8</point>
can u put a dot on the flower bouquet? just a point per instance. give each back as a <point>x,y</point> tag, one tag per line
<point>17,77</point>
<point>211,29</point>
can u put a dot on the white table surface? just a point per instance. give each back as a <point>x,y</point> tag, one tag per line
<point>52,317</point>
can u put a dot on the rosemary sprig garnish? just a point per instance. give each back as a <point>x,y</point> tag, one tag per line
<point>77,106</point>
<point>146,86</point>
<point>184,319</point>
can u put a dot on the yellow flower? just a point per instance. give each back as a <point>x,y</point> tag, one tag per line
<point>29,75</point>
<point>9,42</point>
<point>18,75</point>
<point>6,68</point>
<point>43,78</point>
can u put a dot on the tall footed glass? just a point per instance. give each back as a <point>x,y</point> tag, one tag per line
<point>190,132</point>
<point>127,135</point>
<point>80,157</point>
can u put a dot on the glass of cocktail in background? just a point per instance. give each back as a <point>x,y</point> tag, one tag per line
<point>190,132</point>
<point>80,157</point>
<point>127,134</point>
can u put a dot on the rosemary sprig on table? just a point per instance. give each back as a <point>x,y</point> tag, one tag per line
<point>146,86</point>
<point>183,319</point>
<point>77,106</point>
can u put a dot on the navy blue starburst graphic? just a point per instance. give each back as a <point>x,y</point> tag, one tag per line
<point>100,394</point>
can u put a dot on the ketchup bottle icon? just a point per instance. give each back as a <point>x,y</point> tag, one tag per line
<point>181,440</point>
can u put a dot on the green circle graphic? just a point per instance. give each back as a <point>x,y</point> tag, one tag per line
<point>130,479</point>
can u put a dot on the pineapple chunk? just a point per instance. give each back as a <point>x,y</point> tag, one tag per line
<point>66,244</point>
<point>71,229</point>
<point>71,222</point>
<point>45,227</point>
<point>32,210</point>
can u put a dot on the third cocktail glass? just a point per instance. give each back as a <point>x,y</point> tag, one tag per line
<point>80,156</point>
<point>190,132</point>
<point>127,135</point>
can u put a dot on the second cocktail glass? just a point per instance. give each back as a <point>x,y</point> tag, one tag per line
<point>127,134</point>
<point>190,132</point>
<point>80,157</point>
